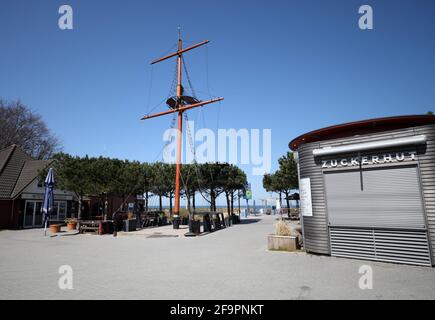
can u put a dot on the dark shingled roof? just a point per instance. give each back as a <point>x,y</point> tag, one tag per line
<point>4,156</point>
<point>28,174</point>
<point>17,170</point>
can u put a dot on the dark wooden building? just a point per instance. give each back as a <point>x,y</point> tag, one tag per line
<point>21,192</point>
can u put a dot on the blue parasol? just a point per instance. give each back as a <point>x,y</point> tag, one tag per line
<point>47,206</point>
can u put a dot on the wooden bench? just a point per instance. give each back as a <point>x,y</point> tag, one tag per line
<point>97,227</point>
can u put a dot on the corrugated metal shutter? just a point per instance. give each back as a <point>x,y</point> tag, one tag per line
<point>410,247</point>
<point>382,221</point>
<point>390,198</point>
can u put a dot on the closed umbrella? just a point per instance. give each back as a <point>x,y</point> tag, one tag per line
<point>47,206</point>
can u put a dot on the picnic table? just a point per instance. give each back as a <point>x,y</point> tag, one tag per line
<point>153,219</point>
<point>99,227</point>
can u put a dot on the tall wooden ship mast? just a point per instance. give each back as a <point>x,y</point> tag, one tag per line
<point>180,103</point>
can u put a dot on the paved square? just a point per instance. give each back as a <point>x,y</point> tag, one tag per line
<point>229,264</point>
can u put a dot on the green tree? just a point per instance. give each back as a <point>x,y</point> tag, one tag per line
<point>104,174</point>
<point>73,174</point>
<point>287,175</point>
<point>161,185</point>
<point>285,179</point>
<point>169,178</point>
<point>147,178</point>
<point>211,182</point>
<point>270,184</point>
<point>128,179</point>
<point>189,183</point>
<point>234,179</point>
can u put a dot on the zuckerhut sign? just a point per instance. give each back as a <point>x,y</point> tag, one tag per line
<point>369,160</point>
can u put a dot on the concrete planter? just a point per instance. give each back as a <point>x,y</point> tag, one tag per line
<point>282,243</point>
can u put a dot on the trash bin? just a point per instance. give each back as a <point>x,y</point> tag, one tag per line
<point>130,225</point>
<point>217,222</point>
<point>206,223</point>
<point>196,227</point>
<point>222,220</point>
<point>176,223</point>
<point>235,219</point>
<point>227,221</point>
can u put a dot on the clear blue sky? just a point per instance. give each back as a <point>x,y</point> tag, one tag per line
<point>292,66</point>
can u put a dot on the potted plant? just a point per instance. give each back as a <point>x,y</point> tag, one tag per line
<point>284,239</point>
<point>54,228</point>
<point>71,224</point>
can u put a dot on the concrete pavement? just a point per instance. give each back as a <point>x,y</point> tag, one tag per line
<point>229,264</point>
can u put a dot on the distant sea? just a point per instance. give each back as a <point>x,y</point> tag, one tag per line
<point>204,207</point>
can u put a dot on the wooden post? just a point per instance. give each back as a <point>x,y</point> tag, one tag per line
<point>180,129</point>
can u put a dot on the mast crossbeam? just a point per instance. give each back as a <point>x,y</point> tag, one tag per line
<point>179,52</point>
<point>183,108</point>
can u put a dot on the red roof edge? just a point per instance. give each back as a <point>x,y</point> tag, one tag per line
<point>362,127</point>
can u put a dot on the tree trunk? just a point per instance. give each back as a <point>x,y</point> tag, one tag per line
<point>160,203</point>
<point>212,201</point>
<point>238,200</point>
<point>193,202</point>
<point>146,201</point>
<point>227,196</point>
<point>188,202</point>
<point>287,200</point>
<point>232,202</point>
<point>170,204</point>
<point>79,213</point>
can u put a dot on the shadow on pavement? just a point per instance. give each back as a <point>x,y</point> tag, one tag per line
<point>248,221</point>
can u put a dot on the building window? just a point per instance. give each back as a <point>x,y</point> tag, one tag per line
<point>62,210</point>
<point>33,214</point>
<point>59,210</point>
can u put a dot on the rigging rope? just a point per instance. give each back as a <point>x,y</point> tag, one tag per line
<point>172,92</point>
<point>188,77</point>
<point>150,88</point>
